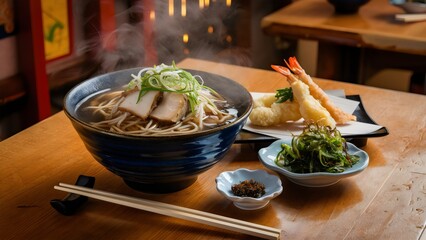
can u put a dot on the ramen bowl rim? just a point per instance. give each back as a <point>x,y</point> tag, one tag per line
<point>201,133</point>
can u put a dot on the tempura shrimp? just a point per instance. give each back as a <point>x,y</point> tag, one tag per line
<point>338,114</point>
<point>266,112</point>
<point>309,107</point>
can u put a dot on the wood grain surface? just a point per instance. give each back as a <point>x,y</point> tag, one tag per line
<point>373,26</point>
<point>386,201</point>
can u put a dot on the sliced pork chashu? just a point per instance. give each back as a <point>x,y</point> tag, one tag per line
<point>171,109</point>
<point>142,108</point>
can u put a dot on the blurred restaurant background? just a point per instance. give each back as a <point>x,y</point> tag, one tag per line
<point>49,46</point>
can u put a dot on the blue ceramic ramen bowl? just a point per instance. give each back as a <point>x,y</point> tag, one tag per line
<point>157,164</point>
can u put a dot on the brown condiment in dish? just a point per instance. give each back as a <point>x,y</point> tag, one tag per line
<point>249,188</point>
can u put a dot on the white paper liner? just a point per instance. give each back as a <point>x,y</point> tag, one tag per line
<point>295,128</point>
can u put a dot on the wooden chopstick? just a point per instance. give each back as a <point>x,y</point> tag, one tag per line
<point>175,211</point>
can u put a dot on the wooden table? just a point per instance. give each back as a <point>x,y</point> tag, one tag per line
<point>386,201</point>
<point>372,37</point>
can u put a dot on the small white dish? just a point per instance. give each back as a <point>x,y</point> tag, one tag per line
<point>318,179</point>
<point>226,180</point>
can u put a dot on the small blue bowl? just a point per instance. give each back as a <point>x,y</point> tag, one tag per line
<point>317,179</point>
<point>157,164</point>
<point>272,183</point>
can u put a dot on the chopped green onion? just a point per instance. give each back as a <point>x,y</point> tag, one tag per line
<point>317,149</point>
<point>165,78</point>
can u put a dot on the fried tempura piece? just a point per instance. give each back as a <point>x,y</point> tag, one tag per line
<point>338,114</point>
<point>267,112</point>
<point>288,111</point>
<point>309,107</point>
<point>263,116</point>
<point>265,101</point>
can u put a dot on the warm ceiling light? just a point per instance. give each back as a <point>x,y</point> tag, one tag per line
<point>201,4</point>
<point>210,29</point>
<point>171,8</point>
<point>228,3</point>
<point>183,8</point>
<point>206,3</point>
<point>185,38</point>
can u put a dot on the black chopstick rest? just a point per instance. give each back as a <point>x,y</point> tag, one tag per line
<point>72,202</point>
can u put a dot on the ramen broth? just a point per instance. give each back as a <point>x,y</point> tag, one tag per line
<point>92,116</point>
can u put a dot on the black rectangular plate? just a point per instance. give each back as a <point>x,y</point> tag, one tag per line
<point>358,139</point>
